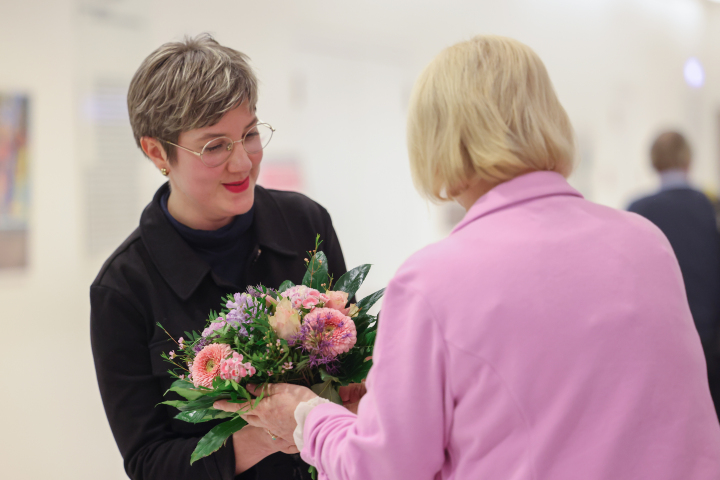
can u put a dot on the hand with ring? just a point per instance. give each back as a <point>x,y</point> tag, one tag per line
<point>275,412</point>
<point>252,444</point>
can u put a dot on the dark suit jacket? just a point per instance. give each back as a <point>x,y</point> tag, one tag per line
<point>687,219</point>
<point>153,277</point>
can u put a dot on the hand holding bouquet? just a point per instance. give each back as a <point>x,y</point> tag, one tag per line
<point>301,334</point>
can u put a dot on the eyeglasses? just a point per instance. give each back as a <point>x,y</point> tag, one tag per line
<point>218,150</point>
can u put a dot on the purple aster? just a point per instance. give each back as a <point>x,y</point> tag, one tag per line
<point>200,345</point>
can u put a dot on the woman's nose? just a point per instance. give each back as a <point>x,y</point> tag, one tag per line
<point>239,159</point>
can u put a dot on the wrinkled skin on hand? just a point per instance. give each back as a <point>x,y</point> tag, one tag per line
<point>352,394</point>
<point>276,411</point>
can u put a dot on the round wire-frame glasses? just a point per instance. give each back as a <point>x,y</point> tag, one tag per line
<point>217,151</point>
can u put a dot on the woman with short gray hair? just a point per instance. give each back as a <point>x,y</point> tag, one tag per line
<point>210,231</point>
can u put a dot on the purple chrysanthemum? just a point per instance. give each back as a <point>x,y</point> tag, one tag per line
<point>325,333</point>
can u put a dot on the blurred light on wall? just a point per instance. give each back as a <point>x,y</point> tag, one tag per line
<point>694,73</point>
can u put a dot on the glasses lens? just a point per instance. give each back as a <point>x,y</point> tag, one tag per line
<point>217,151</point>
<point>257,138</point>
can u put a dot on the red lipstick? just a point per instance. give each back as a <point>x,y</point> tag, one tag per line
<point>238,187</point>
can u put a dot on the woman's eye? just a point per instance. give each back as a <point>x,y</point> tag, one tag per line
<point>213,148</point>
<point>251,134</point>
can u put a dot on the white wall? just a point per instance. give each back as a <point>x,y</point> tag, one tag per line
<point>335,82</point>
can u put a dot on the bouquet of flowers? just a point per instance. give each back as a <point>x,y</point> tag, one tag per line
<point>303,334</point>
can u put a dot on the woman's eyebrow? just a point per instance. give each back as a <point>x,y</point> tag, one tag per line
<point>210,136</point>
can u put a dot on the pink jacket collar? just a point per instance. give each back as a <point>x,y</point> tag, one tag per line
<point>520,189</point>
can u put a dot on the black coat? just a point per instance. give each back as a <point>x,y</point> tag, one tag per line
<point>687,219</point>
<point>153,277</point>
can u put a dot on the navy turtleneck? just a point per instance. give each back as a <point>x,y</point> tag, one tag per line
<point>226,249</point>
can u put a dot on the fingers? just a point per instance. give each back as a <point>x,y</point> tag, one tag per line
<point>226,406</point>
<point>254,421</point>
<point>345,393</point>
<point>352,393</point>
<point>269,389</point>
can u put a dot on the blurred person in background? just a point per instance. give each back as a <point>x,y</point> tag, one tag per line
<point>687,218</point>
<point>546,337</point>
<point>208,232</point>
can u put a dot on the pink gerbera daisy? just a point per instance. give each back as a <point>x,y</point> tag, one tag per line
<point>207,363</point>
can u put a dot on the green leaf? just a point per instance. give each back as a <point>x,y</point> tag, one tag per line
<point>324,376</point>
<point>179,404</point>
<point>327,390</point>
<point>285,285</point>
<point>198,416</point>
<point>362,322</point>
<point>317,272</point>
<point>260,397</point>
<point>185,389</point>
<point>351,281</point>
<point>367,302</point>
<point>215,438</point>
<point>357,373</point>
<point>369,337</point>
<point>206,401</point>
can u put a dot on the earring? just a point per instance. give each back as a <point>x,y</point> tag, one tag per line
<point>164,171</point>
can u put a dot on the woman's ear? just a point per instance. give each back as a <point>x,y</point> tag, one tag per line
<point>155,152</point>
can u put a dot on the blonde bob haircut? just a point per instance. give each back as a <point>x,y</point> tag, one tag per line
<point>486,109</point>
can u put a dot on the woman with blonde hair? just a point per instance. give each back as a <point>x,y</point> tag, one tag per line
<point>546,337</point>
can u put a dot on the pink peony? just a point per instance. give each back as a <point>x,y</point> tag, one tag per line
<point>299,293</point>
<point>328,332</point>
<point>206,365</point>
<point>337,300</point>
<point>286,321</point>
<point>310,303</point>
<point>233,368</point>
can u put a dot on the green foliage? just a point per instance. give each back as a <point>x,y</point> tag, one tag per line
<point>325,376</point>
<point>215,438</point>
<point>206,401</point>
<point>179,404</point>
<point>285,285</point>
<point>270,356</point>
<point>205,415</point>
<point>355,369</point>
<point>367,302</point>
<point>327,389</point>
<point>316,275</point>
<point>350,282</point>
<point>186,389</point>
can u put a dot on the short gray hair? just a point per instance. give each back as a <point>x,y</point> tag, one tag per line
<point>670,150</point>
<point>186,85</point>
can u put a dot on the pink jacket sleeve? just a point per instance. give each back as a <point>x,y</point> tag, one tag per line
<point>401,425</point>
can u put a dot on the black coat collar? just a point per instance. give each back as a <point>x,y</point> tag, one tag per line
<point>181,268</point>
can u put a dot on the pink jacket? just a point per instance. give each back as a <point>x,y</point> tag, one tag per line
<point>547,338</point>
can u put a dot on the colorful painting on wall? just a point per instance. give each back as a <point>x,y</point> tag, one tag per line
<point>14,184</point>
